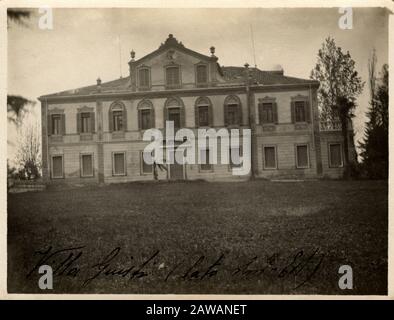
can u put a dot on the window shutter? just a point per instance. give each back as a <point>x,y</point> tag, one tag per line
<point>124,119</point>
<point>139,119</point>
<point>49,125</point>
<point>292,110</point>
<point>78,122</point>
<point>239,114</point>
<point>111,121</point>
<point>307,112</point>
<point>63,117</point>
<point>165,116</point>
<point>93,122</point>
<point>152,118</point>
<point>275,112</point>
<point>210,116</point>
<point>260,109</point>
<point>225,115</point>
<point>182,117</point>
<point>197,116</point>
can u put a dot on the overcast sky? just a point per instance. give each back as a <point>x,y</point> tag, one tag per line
<point>83,43</point>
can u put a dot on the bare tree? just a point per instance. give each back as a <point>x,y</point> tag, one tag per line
<point>29,152</point>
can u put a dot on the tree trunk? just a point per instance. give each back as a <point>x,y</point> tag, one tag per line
<point>345,134</point>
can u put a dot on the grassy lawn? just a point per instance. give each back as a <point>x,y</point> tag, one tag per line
<point>254,237</point>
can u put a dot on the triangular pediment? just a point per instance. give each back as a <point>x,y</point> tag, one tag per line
<point>170,49</point>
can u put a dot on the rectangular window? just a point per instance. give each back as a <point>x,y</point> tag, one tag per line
<point>203,116</point>
<point>87,165</point>
<point>205,161</point>
<point>146,168</point>
<point>202,76</point>
<point>145,119</point>
<point>302,156</point>
<point>57,167</point>
<point>85,122</point>
<point>300,111</point>
<point>172,76</point>
<point>174,114</point>
<point>232,114</point>
<point>56,124</point>
<point>335,155</point>
<point>119,164</point>
<point>270,157</point>
<point>235,157</point>
<point>266,113</point>
<point>118,120</point>
<point>143,77</point>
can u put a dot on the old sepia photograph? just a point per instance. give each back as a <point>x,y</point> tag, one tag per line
<point>197,151</point>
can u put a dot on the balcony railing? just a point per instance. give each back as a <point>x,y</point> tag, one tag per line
<point>333,125</point>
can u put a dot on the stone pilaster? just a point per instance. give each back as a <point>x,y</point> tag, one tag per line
<point>316,131</point>
<point>44,141</point>
<point>100,138</point>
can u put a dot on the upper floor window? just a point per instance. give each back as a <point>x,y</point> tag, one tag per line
<point>118,120</point>
<point>174,114</point>
<point>173,76</point>
<point>56,124</point>
<point>144,78</point>
<point>203,112</point>
<point>145,115</point>
<point>232,111</point>
<point>85,122</point>
<point>117,117</point>
<point>268,112</point>
<point>300,111</point>
<point>203,115</point>
<point>174,111</point>
<point>201,74</point>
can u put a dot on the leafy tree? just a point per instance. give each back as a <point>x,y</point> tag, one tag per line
<point>15,107</point>
<point>17,15</point>
<point>29,153</point>
<point>16,104</point>
<point>374,147</point>
<point>339,87</point>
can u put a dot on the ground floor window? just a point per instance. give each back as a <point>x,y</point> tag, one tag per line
<point>235,157</point>
<point>205,164</point>
<point>86,165</point>
<point>145,168</point>
<point>302,156</point>
<point>119,163</point>
<point>57,167</point>
<point>335,155</point>
<point>269,157</point>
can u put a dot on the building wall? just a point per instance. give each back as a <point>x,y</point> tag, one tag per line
<point>284,135</point>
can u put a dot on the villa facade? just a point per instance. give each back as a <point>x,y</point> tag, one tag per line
<point>95,133</point>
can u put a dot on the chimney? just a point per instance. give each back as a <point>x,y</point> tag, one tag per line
<point>98,84</point>
<point>132,71</point>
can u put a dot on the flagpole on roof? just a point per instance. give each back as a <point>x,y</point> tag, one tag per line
<point>254,51</point>
<point>120,56</point>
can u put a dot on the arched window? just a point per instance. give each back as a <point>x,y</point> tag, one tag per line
<point>203,112</point>
<point>146,118</point>
<point>232,111</point>
<point>117,117</point>
<point>174,110</point>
